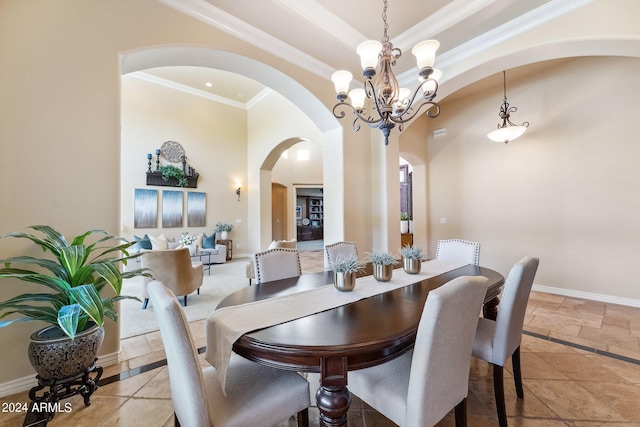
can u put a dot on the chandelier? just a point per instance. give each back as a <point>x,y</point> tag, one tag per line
<point>390,105</point>
<point>507,131</point>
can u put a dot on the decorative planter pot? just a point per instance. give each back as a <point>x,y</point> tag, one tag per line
<point>56,357</point>
<point>404,227</point>
<point>382,272</point>
<point>411,266</point>
<point>192,249</point>
<point>223,235</point>
<point>344,282</point>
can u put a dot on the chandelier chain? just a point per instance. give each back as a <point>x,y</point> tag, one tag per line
<point>385,37</point>
<point>504,79</point>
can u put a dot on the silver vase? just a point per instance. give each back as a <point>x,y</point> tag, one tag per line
<point>411,265</point>
<point>344,282</point>
<point>382,272</point>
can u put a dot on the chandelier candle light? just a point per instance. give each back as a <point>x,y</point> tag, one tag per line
<point>393,104</point>
<point>507,131</point>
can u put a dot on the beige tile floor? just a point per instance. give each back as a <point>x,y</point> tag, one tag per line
<point>580,363</point>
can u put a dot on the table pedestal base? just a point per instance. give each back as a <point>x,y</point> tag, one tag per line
<point>490,308</point>
<point>333,404</point>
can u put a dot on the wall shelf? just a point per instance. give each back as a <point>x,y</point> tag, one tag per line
<point>155,178</point>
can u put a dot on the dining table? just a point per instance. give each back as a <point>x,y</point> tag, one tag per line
<point>356,335</point>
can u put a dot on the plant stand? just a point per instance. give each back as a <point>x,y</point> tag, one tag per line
<point>84,384</point>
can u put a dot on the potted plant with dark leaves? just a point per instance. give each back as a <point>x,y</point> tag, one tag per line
<point>345,268</point>
<point>412,258</point>
<point>383,263</point>
<point>83,280</point>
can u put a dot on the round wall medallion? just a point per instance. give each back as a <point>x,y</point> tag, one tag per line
<point>172,151</point>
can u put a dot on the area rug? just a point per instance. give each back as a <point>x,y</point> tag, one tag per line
<point>223,280</point>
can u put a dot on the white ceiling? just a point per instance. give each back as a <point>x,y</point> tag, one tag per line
<point>321,36</point>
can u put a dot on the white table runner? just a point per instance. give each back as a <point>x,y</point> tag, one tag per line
<point>228,324</point>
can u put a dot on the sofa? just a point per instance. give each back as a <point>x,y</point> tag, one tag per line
<point>203,243</point>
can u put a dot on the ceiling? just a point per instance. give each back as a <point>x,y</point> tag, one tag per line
<point>321,36</point>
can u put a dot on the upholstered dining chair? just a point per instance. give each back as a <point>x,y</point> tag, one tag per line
<point>458,250</point>
<point>340,248</point>
<point>174,268</point>
<point>496,341</point>
<point>276,264</point>
<point>256,395</point>
<point>420,387</point>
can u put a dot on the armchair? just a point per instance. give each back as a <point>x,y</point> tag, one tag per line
<point>172,267</point>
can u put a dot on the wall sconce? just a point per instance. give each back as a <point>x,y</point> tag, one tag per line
<point>238,192</point>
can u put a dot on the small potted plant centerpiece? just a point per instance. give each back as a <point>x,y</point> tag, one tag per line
<point>75,276</point>
<point>383,263</point>
<point>189,241</point>
<point>344,272</point>
<point>412,258</point>
<point>223,229</point>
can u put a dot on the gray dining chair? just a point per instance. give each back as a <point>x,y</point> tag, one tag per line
<point>256,395</point>
<point>276,264</point>
<point>458,250</point>
<point>340,248</point>
<point>420,387</point>
<point>497,340</point>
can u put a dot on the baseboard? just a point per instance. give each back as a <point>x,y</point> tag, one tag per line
<point>18,385</point>
<point>587,295</point>
<point>26,383</point>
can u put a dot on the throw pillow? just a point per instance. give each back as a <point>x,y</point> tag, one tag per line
<point>159,242</point>
<point>173,245</point>
<point>141,243</point>
<point>289,244</point>
<point>208,242</point>
<point>273,245</point>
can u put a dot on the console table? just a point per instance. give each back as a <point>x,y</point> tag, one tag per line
<point>229,244</point>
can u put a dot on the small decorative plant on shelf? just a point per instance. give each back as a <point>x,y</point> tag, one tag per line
<point>344,270</point>
<point>170,171</point>
<point>383,263</point>
<point>412,258</point>
<point>223,229</point>
<point>404,222</point>
<point>75,276</point>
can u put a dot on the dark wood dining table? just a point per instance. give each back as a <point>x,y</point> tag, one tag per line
<point>358,335</point>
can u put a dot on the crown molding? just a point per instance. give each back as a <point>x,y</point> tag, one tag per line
<point>228,23</point>
<point>187,89</point>
<point>315,13</point>
<point>259,97</point>
<point>526,22</point>
<point>440,21</point>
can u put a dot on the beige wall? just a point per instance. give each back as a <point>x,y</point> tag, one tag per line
<point>214,137</point>
<point>566,191</point>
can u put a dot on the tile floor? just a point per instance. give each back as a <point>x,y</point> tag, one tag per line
<point>580,363</point>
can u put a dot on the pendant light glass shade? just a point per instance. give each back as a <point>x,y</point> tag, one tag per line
<point>369,52</point>
<point>506,134</point>
<point>341,80</point>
